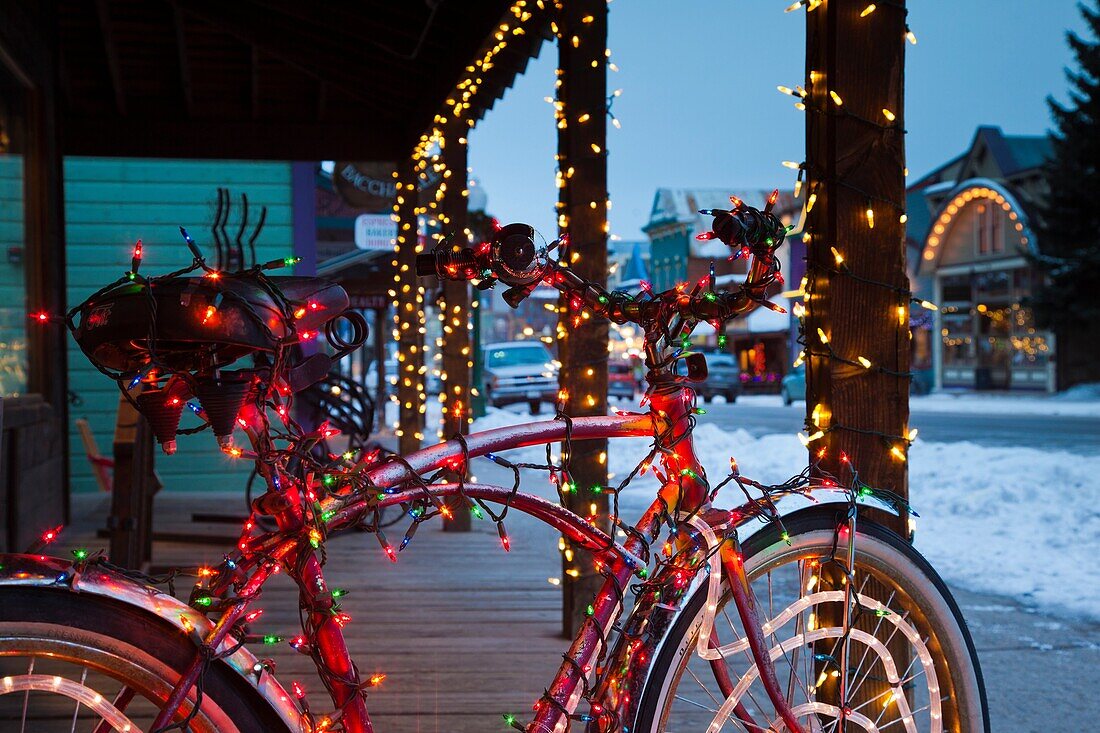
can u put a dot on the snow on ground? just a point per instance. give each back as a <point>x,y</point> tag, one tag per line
<point>1071,403</point>
<point>1020,522</point>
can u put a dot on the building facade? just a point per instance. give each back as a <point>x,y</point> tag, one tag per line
<point>970,221</point>
<point>110,203</point>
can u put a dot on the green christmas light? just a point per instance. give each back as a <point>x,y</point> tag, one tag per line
<point>271,639</point>
<point>80,553</point>
<point>326,516</point>
<point>205,601</point>
<point>590,610</point>
<point>509,719</point>
<point>721,339</point>
<point>476,511</point>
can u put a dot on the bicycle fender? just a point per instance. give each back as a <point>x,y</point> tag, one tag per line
<point>53,572</point>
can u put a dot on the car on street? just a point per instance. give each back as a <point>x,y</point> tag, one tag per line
<point>723,377</point>
<point>620,379</point>
<point>793,385</point>
<point>519,371</point>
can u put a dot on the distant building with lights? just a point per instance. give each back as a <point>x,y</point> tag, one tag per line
<point>969,229</point>
<point>762,341</point>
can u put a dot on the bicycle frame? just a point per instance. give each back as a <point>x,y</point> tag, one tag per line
<point>669,412</point>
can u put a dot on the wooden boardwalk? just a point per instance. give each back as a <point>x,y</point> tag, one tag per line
<point>463,631</point>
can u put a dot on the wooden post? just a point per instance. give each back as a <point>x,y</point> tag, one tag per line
<point>382,384</point>
<point>455,305</point>
<point>857,328</point>
<point>582,213</point>
<point>408,315</point>
<point>130,521</point>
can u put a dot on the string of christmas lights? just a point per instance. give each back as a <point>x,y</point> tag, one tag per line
<point>816,342</point>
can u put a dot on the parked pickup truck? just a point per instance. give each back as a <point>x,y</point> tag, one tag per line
<point>519,371</point>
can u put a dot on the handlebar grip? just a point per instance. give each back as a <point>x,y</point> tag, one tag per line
<point>448,265</point>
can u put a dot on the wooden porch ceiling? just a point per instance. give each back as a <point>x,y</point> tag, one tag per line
<point>275,79</point>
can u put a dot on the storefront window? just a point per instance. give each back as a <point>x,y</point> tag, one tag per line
<point>13,290</point>
<point>958,337</point>
<point>956,289</point>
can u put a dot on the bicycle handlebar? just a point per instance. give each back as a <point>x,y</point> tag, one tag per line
<point>512,258</point>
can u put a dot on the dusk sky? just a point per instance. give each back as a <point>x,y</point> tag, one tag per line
<point>700,109</point>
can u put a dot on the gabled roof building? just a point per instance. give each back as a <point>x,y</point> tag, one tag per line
<point>969,231</point>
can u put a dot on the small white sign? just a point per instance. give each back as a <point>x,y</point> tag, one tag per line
<point>375,231</point>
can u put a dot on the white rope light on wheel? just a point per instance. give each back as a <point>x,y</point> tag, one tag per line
<point>73,690</point>
<point>869,640</point>
<point>832,632</point>
<point>704,651</point>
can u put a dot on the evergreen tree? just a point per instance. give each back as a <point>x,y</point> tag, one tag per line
<point>1069,222</point>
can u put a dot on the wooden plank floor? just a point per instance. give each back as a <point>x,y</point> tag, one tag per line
<point>463,631</point>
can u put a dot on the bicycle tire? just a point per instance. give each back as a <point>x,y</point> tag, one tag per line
<point>879,550</point>
<point>125,645</point>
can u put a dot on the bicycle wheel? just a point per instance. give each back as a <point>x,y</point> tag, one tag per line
<point>80,662</point>
<point>925,678</point>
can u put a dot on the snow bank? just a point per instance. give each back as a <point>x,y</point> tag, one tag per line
<point>1081,401</point>
<point>1021,522</point>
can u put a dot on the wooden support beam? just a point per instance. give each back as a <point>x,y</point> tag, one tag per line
<point>856,333</point>
<point>130,521</point>
<point>179,26</point>
<point>110,49</point>
<point>408,300</point>
<point>582,212</point>
<point>856,162</point>
<point>264,139</point>
<point>455,305</point>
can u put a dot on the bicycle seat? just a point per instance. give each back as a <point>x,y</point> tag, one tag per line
<point>200,322</point>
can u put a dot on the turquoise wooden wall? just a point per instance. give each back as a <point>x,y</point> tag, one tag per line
<point>109,204</point>
<point>13,307</point>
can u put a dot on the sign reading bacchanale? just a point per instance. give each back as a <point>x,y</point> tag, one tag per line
<point>366,185</point>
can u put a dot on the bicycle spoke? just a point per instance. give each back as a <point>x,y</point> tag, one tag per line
<point>704,687</point>
<point>867,649</point>
<point>748,656</point>
<point>886,642</point>
<point>681,698</point>
<point>76,712</point>
<point>904,681</point>
<point>26,699</point>
<point>122,700</point>
<point>945,698</point>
